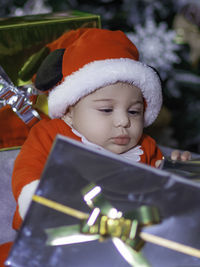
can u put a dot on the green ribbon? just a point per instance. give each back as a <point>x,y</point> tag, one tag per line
<point>104,222</point>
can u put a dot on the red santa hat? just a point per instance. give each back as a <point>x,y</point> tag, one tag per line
<point>86,59</point>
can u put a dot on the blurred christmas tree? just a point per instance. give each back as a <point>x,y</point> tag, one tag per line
<point>168,38</point>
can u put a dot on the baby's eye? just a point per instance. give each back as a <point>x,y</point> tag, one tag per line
<point>133,112</point>
<point>106,110</point>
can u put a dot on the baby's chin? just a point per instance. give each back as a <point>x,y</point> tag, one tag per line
<point>118,149</point>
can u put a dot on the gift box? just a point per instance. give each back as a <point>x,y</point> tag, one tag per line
<point>22,41</point>
<point>20,37</point>
<point>144,216</point>
<point>189,169</point>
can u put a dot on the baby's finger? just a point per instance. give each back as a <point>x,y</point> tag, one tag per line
<point>186,155</point>
<point>175,155</point>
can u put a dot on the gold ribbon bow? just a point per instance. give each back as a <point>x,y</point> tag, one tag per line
<point>107,221</point>
<point>19,98</point>
<point>103,222</point>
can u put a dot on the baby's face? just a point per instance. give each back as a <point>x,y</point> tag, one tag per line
<point>111,117</point>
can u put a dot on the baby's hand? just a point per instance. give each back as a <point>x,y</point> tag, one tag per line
<point>183,156</point>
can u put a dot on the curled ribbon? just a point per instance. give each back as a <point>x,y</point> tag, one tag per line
<point>103,222</point>
<point>19,98</point>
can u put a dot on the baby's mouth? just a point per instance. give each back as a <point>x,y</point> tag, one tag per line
<point>121,140</point>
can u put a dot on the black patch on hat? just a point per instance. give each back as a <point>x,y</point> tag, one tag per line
<point>50,71</point>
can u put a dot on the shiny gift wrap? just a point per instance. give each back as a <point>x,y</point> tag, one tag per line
<point>21,37</point>
<point>189,169</point>
<point>103,222</point>
<point>127,187</point>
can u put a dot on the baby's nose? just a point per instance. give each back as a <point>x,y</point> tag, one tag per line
<point>122,120</point>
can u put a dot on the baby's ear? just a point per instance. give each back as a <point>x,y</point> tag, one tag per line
<point>68,117</point>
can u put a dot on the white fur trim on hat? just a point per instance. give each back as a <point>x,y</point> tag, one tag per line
<point>104,72</point>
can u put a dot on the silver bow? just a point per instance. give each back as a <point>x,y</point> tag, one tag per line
<point>19,98</point>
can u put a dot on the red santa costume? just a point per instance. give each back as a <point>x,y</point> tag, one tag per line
<point>80,62</point>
